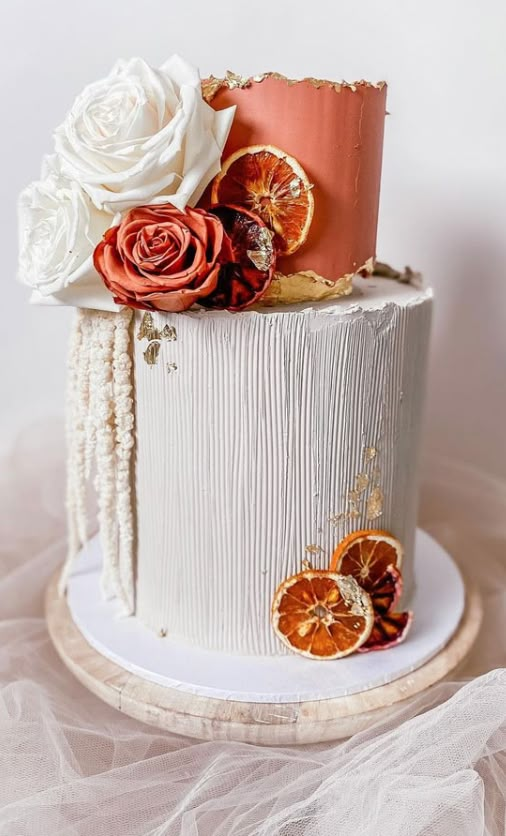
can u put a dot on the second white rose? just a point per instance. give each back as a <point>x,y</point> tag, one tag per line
<point>59,228</point>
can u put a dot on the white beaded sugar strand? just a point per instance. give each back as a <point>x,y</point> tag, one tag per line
<point>80,430</point>
<point>102,414</point>
<point>90,430</point>
<point>100,431</point>
<point>124,424</point>
<point>74,412</point>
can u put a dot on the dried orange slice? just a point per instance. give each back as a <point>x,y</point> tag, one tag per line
<point>366,555</point>
<point>274,186</point>
<point>321,614</point>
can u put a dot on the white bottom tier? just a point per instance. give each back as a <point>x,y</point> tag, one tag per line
<point>438,606</point>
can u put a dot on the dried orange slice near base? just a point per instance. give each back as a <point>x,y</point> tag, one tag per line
<point>273,185</point>
<point>322,615</point>
<point>366,555</point>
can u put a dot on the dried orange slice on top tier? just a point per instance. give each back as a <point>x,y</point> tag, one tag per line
<point>322,615</point>
<point>366,555</point>
<point>274,186</point>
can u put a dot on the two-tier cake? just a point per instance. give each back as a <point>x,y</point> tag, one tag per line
<point>245,393</point>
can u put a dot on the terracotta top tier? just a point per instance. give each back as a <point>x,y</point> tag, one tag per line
<point>335,132</point>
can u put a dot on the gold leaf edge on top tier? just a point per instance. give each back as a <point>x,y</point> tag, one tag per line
<point>308,286</point>
<point>211,85</point>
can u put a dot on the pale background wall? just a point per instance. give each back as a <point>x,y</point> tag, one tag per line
<point>443,206</point>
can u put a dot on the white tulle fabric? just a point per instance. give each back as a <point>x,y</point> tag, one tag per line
<point>71,766</point>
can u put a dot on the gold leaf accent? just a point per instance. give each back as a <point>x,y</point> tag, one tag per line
<point>354,596</point>
<point>314,549</point>
<point>374,507</point>
<point>148,331</point>
<point>169,332</point>
<point>335,519</point>
<point>366,497</point>
<point>295,187</point>
<point>306,286</point>
<point>263,255</point>
<point>234,80</point>
<point>260,259</point>
<point>211,85</point>
<point>147,328</point>
<point>152,352</point>
<point>154,336</point>
<point>361,482</point>
<point>370,453</point>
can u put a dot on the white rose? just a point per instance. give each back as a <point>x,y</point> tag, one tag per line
<point>143,136</point>
<point>59,228</point>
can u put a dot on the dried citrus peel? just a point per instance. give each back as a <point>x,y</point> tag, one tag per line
<point>389,629</point>
<point>247,259</point>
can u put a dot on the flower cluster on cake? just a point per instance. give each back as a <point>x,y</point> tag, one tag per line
<point>168,194</point>
<point>139,205</point>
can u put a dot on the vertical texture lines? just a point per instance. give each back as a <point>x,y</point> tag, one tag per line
<point>248,452</point>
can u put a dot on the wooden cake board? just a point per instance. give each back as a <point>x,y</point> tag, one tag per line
<point>264,723</point>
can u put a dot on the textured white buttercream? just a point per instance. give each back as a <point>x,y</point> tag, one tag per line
<point>262,439</point>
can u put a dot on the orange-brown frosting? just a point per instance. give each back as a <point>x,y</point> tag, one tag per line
<point>335,131</point>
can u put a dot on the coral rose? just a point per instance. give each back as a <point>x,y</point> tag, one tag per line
<point>160,258</point>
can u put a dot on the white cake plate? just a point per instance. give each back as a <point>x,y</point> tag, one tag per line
<point>272,700</point>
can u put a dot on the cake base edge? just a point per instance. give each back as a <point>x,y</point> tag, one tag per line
<point>268,723</point>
